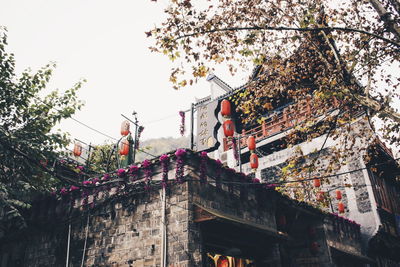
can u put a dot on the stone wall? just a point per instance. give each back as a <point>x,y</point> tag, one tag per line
<point>125,232</point>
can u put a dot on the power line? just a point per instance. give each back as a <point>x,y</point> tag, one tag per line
<point>93,129</point>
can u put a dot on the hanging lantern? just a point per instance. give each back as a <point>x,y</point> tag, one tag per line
<point>254,161</point>
<point>226,108</point>
<point>320,196</point>
<point>251,143</point>
<point>338,195</point>
<point>77,149</point>
<point>124,147</point>
<point>317,182</point>
<point>229,128</point>
<point>223,262</point>
<point>341,207</point>
<point>125,125</point>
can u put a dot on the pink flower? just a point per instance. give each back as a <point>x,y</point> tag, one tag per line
<point>164,157</point>
<point>73,188</point>
<point>180,152</point>
<point>105,177</point>
<point>146,163</point>
<point>81,168</point>
<point>86,182</point>
<point>63,191</point>
<point>121,172</point>
<point>203,154</point>
<point>133,168</point>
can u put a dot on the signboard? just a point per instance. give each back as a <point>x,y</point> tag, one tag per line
<point>207,126</point>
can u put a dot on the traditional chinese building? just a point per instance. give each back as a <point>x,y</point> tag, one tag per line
<point>365,191</point>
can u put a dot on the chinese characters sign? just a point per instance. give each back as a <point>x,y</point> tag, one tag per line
<point>206,122</point>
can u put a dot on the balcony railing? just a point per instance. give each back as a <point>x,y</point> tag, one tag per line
<point>278,122</point>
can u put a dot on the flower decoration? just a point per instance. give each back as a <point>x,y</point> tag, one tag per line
<point>147,173</point>
<point>73,188</point>
<point>81,168</point>
<point>133,172</point>
<point>180,153</point>
<point>121,173</point>
<point>164,159</point>
<point>106,177</point>
<point>64,191</point>
<point>87,182</point>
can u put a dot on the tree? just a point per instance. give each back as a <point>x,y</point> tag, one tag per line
<point>28,146</point>
<point>344,51</point>
<point>351,49</point>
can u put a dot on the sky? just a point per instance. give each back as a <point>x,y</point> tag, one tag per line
<point>103,42</point>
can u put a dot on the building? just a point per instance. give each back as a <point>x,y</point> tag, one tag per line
<point>208,215</point>
<point>368,180</point>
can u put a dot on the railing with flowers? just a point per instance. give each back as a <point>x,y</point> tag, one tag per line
<point>167,170</point>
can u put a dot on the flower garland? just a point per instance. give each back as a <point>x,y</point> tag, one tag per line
<point>133,172</point>
<point>203,167</point>
<point>164,159</point>
<point>147,173</point>
<point>182,126</point>
<point>180,154</point>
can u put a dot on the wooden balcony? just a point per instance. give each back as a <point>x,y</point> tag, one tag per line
<point>278,122</point>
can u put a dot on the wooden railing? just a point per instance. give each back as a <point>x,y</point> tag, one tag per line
<point>278,122</point>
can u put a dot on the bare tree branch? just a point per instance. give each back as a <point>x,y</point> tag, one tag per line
<point>268,28</point>
<point>386,18</point>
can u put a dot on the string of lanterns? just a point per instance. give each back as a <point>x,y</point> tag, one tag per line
<point>320,196</point>
<point>229,130</point>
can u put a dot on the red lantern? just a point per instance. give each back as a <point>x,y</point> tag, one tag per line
<point>229,128</point>
<point>341,207</point>
<point>77,149</point>
<point>253,161</point>
<point>338,195</point>
<point>251,143</point>
<point>320,196</point>
<point>317,182</point>
<point>226,108</point>
<point>125,125</point>
<point>124,147</point>
<point>223,262</point>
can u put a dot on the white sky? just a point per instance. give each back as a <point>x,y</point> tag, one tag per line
<point>103,42</point>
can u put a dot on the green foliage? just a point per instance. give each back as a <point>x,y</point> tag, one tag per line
<point>26,121</point>
<point>103,157</point>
